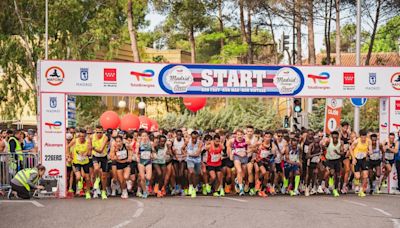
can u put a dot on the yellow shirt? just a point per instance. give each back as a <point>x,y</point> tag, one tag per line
<point>361,150</point>
<point>97,143</point>
<point>79,150</point>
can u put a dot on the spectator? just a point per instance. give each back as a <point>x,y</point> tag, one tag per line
<point>29,144</point>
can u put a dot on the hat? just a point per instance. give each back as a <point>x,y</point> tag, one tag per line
<point>31,132</point>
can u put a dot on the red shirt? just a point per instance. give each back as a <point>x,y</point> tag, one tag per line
<point>214,156</point>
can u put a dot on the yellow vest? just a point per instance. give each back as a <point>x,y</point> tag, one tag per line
<point>97,143</point>
<point>79,149</point>
<point>23,176</point>
<point>361,149</point>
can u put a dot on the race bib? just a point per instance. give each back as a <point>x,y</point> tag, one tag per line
<point>145,155</point>
<point>81,158</point>
<point>315,159</point>
<point>215,157</point>
<point>264,153</point>
<point>241,152</point>
<point>191,152</point>
<point>293,157</point>
<point>306,149</point>
<point>360,155</point>
<point>122,154</point>
<point>375,156</point>
<point>389,156</point>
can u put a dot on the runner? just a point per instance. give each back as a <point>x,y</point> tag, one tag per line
<point>306,139</point>
<point>145,151</point>
<point>100,161</point>
<point>237,149</point>
<point>252,142</point>
<point>159,164</point>
<point>193,148</point>
<point>132,144</point>
<point>179,161</point>
<point>214,163</point>
<point>390,148</point>
<point>262,163</point>
<point>281,149</point>
<point>375,160</point>
<point>227,163</point>
<point>334,151</point>
<point>123,157</point>
<point>313,161</point>
<point>292,167</point>
<point>206,187</point>
<point>81,153</point>
<point>360,149</point>
<point>345,138</point>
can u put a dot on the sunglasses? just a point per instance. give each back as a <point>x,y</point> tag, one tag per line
<point>279,136</point>
<point>99,132</point>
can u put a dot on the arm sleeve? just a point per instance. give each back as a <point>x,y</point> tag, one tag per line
<point>31,179</point>
<point>13,145</point>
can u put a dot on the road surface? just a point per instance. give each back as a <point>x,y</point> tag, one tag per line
<point>279,211</point>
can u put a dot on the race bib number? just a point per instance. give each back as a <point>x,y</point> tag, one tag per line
<point>191,152</point>
<point>306,149</point>
<point>81,158</point>
<point>264,153</point>
<point>315,159</point>
<point>122,154</point>
<point>389,156</point>
<point>375,156</point>
<point>145,155</point>
<point>360,156</point>
<point>215,157</point>
<point>241,152</point>
<point>293,157</point>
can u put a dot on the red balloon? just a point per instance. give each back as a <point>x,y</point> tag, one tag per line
<point>130,122</point>
<point>154,125</point>
<point>109,119</point>
<point>145,123</point>
<point>194,104</point>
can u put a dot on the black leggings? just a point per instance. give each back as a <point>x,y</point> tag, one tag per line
<point>21,191</point>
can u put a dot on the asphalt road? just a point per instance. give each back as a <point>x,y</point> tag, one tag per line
<point>279,211</point>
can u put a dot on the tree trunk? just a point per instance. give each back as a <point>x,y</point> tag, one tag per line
<point>132,34</point>
<point>298,30</point>
<point>249,42</point>
<point>192,44</point>
<point>310,26</point>
<point>166,104</point>
<point>328,16</point>
<point>371,44</point>
<point>338,52</point>
<point>221,22</point>
<point>276,58</point>
<point>242,26</point>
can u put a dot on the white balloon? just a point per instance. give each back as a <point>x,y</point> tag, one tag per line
<point>122,104</point>
<point>141,105</point>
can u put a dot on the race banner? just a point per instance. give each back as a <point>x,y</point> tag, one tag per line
<point>333,111</point>
<point>383,119</point>
<point>52,125</point>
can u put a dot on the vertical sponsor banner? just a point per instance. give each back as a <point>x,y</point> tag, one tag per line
<point>383,119</point>
<point>333,111</point>
<point>395,128</point>
<point>52,127</point>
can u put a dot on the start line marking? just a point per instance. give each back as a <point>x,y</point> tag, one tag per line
<point>234,199</point>
<point>34,202</point>
<point>138,212</point>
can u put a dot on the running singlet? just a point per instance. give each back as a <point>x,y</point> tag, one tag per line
<point>240,148</point>
<point>330,151</point>
<point>345,140</point>
<point>145,151</point>
<point>192,149</point>
<point>214,156</point>
<point>122,153</point>
<point>278,157</point>
<point>134,145</point>
<point>79,150</point>
<point>376,153</point>
<point>316,150</point>
<point>388,154</point>
<point>97,143</point>
<point>294,155</point>
<point>361,150</point>
<point>161,155</point>
<point>178,145</point>
<point>264,153</point>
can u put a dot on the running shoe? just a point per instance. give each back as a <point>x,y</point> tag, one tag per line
<point>103,195</point>
<point>246,188</point>
<point>71,190</point>
<point>221,192</point>
<point>88,196</point>
<point>139,194</point>
<point>193,195</point>
<point>113,192</point>
<point>262,194</point>
<point>208,188</point>
<point>191,189</point>
<point>241,193</point>
<point>283,190</point>
<point>384,184</point>
<point>185,192</point>
<point>258,185</point>
<point>145,195</point>
<point>272,190</point>
<point>357,189</point>
<point>237,189</point>
<point>80,184</point>
<point>174,192</point>
<point>313,191</point>
<point>204,189</point>
<point>124,194</point>
<point>335,193</point>
<point>159,194</point>
<point>96,184</point>
<point>252,192</point>
<point>331,182</point>
<point>361,194</point>
<point>320,190</point>
<point>344,190</point>
<point>307,192</point>
<point>228,188</point>
<point>163,191</point>
<point>95,195</point>
<point>291,193</point>
<point>216,194</point>
<point>327,191</point>
<point>156,188</point>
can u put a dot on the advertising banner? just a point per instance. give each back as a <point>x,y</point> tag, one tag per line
<point>383,119</point>
<point>88,77</point>
<point>333,112</point>
<point>52,138</point>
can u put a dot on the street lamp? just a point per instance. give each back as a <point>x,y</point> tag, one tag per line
<point>141,107</point>
<point>121,104</point>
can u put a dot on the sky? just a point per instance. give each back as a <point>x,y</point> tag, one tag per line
<point>156,19</point>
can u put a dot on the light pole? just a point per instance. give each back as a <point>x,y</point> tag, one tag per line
<point>141,107</point>
<point>358,61</point>
<point>47,30</point>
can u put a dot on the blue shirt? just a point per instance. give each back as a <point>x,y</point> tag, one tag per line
<point>397,156</point>
<point>28,145</point>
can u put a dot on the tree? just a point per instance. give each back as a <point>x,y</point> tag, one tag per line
<point>388,36</point>
<point>136,14</point>
<point>338,57</point>
<point>310,35</point>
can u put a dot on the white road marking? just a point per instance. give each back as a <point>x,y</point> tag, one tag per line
<point>382,211</point>
<point>137,213</point>
<point>234,199</point>
<point>122,224</point>
<point>37,204</point>
<point>356,203</point>
<point>396,223</point>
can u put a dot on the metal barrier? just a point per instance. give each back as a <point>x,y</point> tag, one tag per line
<point>11,163</point>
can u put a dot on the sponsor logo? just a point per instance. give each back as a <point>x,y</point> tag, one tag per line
<point>397,107</point>
<point>54,76</point>
<point>384,105</point>
<point>53,102</point>
<point>333,103</point>
<point>110,77</point>
<point>320,81</point>
<point>384,125</point>
<point>143,79</point>
<point>53,145</point>
<point>84,76</point>
<point>395,80</point>
<point>287,80</point>
<point>372,82</point>
<point>397,126</point>
<point>348,80</point>
<point>53,127</point>
<point>179,78</point>
<point>54,172</point>
<point>53,157</point>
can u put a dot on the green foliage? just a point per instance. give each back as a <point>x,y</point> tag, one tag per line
<point>88,110</point>
<point>388,36</point>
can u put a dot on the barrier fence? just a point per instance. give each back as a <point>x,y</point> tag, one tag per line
<point>11,163</point>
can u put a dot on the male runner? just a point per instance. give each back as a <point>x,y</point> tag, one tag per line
<point>193,148</point>
<point>334,151</point>
<point>238,149</point>
<point>292,167</point>
<point>262,163</point>
<point>360,150</point>
<point>390,149</point>
<point>375,160</point>
<point>100,161</point>
<point>214,163</point>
